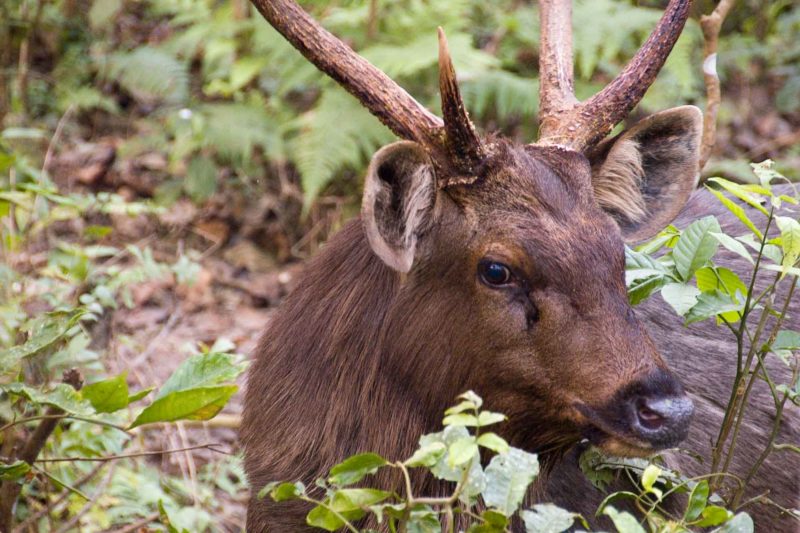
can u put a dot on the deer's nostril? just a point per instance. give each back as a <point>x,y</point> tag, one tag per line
<point>649,418</point>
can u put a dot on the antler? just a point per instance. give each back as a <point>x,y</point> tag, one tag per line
<point>452,143</point>
<point>578,125</point>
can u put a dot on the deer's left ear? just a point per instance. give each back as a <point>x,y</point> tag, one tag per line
<point>644,176</point>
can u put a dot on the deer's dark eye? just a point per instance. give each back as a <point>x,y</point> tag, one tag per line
<point>494,274</point>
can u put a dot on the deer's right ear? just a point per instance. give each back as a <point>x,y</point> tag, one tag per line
<point>399,199</point>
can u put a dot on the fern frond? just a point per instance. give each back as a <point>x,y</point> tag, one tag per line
<point>603,28</point>
<point>150,74</point>
<point>408,59</point>
<point>234,129</point>
<point>338,132</point>
<point>506,93</point>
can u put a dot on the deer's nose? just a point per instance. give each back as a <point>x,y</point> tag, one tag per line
<point>658,411</point>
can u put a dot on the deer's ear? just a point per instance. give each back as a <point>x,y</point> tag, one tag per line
<point>644,176</point>
<point>399,198</point>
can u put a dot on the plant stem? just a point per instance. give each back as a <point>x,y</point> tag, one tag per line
<point>736,391</point>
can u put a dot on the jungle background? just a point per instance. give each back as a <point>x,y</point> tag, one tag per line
<point>167,165</point>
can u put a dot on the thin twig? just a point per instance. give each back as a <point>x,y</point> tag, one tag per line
<point>31,520</point>
<point>711,26</point>
<point>101,490</point>
<point>9,490</point>
<point>210,446</point>
<point>132,528</point>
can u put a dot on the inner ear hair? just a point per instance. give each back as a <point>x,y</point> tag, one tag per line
<point>618,181</point>
<point>399,199</point>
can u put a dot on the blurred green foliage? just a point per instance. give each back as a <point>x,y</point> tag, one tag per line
<point>223,96</point>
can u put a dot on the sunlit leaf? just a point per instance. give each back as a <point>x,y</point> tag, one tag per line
<point>353,469</point>
<point>697,501</point>
<point>108,395</point>
<point>547,518</point>
<point>193,404</point>
<point>507,479</point>
<point>696,246</point>
<point>62,396</point>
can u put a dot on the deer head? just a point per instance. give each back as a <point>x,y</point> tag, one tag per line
<point>511,256</point>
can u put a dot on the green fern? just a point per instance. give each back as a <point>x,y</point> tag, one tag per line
<point>603,28</point>
<point>408,59</point>
<point>337,133</point>
<point>150,74</point>
<point>505,93</point>
<point>235,129</point>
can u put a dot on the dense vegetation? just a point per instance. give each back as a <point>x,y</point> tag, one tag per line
<point>164,164</point>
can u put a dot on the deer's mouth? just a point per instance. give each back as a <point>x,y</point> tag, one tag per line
<point>610,435</point>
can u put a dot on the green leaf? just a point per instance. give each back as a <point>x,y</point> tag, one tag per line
<point>201,178</point>
<point>488,418</point>
<point>738,211</point>
<point>423,520</point>
<point>733,245</point>
<point>494,442</point>
<point>744,193</point>
<point>13,471</point>
<point>547,518</point>
<point>461,407</point>
<point>624,522</point>
<point>591,464</point>
<point>771,252</point>
<point>640,290</point>
<point>765,173</point>
<point>787,339</point>
<point>710,304</point>
<point>696,246</point>
<point>62,396</point>
<point>650,476</point>
<point>680,296</point>
<point>345,500</point>
<point>202,370</point>
<point>353,469</point>
<point>45,332</point>
<point>713,515</point>
<point>460,419</point>
<point>323,518</point>
<point>790,240</point>
<point>351,504</point>
<point>287,491</point>
<point>108,395</point>
<point>193,404</point>
<point>741,523</point>
<point>712,279</point>
<point>138,395</point>
<point>442,468</point>
<point>507,479</point>
<point>427,455</point>
<point>461,451</point>
<point>697,501</point>
<point>471,397</point>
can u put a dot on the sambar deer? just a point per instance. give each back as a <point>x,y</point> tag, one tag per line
<point>478,263</point>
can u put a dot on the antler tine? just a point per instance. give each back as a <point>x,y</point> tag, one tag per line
<point>556,86</point>
<point>463,143</point>
<point>375,90</point>
<point>580,125</point>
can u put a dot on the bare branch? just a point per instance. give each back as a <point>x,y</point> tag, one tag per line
<point>9,490</point>
<point>711,26</point>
